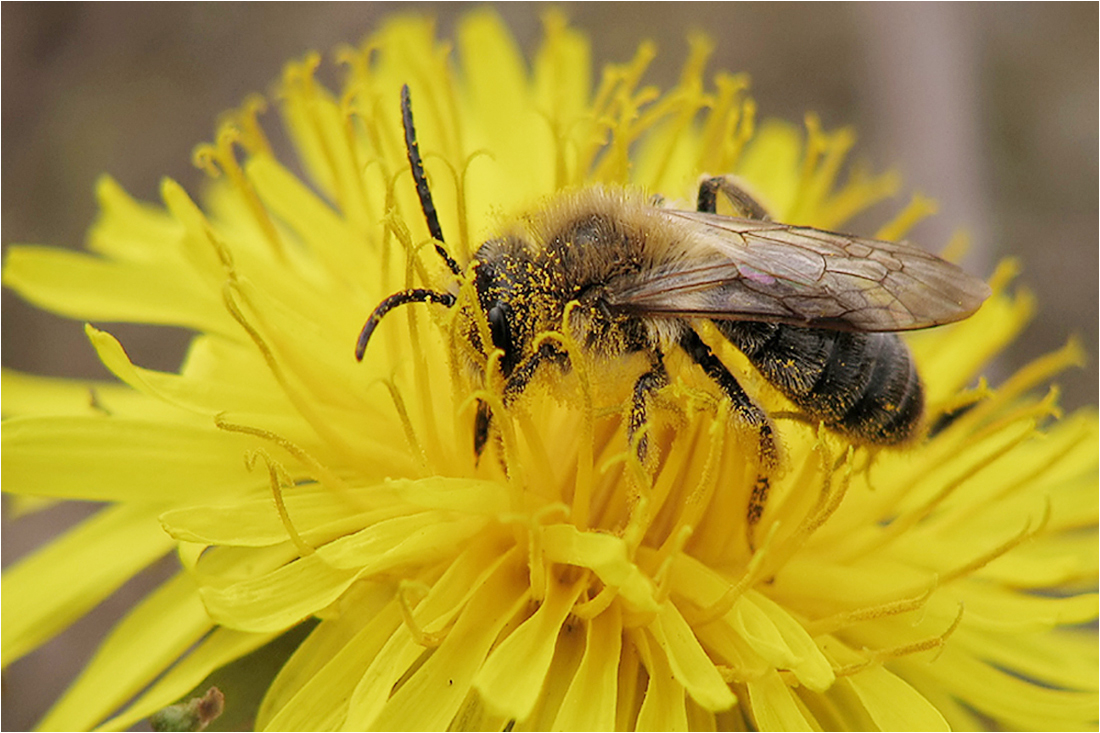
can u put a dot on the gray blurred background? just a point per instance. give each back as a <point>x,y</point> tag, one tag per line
<point>989,108</point>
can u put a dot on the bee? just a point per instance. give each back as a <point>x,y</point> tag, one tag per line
<point>815,312</point>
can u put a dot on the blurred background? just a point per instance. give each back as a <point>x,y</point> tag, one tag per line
<point>989,108</point>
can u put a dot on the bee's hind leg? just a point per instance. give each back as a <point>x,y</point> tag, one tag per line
<point>644,387</point>
<point>743,405</point>
<point>748,411</point>
<point>743,203</point>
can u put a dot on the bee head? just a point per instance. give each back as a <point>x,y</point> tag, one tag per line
<point>505,279</point>
<point>509,297</point>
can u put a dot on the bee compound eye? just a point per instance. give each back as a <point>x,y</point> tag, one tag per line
<point>498,328</point>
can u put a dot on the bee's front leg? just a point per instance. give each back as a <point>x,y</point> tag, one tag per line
<point>514,385</point>
<point>482,419</point>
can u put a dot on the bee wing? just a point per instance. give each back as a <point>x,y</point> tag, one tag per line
<point>745,269</point>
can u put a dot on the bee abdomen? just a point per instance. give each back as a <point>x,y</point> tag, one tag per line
<point>864,385</point>
<point>886,406</point>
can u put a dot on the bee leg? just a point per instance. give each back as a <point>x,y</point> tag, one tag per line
<point>748,411</point>
<point>517,381</point>
<point>743,203</point>
<point>946,419</point>
<point>743,405</point>
<point>644,387</point>
<point>481,428</point>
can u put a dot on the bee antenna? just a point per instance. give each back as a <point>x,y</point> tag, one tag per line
<point>415,295</point>
<point>422,190</point>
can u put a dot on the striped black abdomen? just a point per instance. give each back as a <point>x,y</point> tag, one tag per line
<point>864,385</point>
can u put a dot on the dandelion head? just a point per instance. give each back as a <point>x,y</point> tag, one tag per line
<point>555,577</point>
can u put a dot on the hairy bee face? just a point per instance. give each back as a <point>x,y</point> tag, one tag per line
<point>512,297</point>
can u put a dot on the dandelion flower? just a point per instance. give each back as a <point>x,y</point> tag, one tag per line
<point>557,583</point>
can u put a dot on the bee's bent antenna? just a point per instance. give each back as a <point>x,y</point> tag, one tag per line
<point>416,295</point>
<point>422,190</point>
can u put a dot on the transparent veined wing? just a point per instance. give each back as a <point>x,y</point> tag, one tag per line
<point>746,269</point>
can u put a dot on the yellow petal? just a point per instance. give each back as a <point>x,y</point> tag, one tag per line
<point>498,93</point>
<point>690,665</point>
<point>663,707</point>
<point>153,635</point>
<point>1008,698</point>
<point>431,697</point>
<point>488,498</point>
<point>775,707</point>
<point>473,573</point>
<point>1053,659</point>
<point>563,666</point>
<point>314,121</point>
<point>606,555</point>
<point>256,522</point>
<point>310,219</point>
<point>770,161</point>
<point>512,676</point>
<point>415,539</point>
<point>589,703</point>
<point>218,649</point>
<point>329,638</point>
<point>784,645</point>
<point>997,610</point>
<point>128,229</point>
<point>93,289</point>
<point>256,395</point>
<point>28,395</point>
<point>48,590</point>
<point>892,703</point>
<point>326,682</point>
<point>809,664</point>
<point>122,460</point>
<point>280,599</point>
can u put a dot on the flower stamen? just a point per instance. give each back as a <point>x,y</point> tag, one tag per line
<point>984,559</point>
<point>1042,369</point>
<point>316,468</point>
<point>222,157</point>
<point>919,207</point>
<point>844,619</point>
<point>406,422</point>
<point>754,570</point>
<point>729,125</point>
<point>586,459</point>
<point>299,90</point>
<point>406,589</point>
<point>694,503</point>
<point>277,475</point>
<point>877,657</point>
